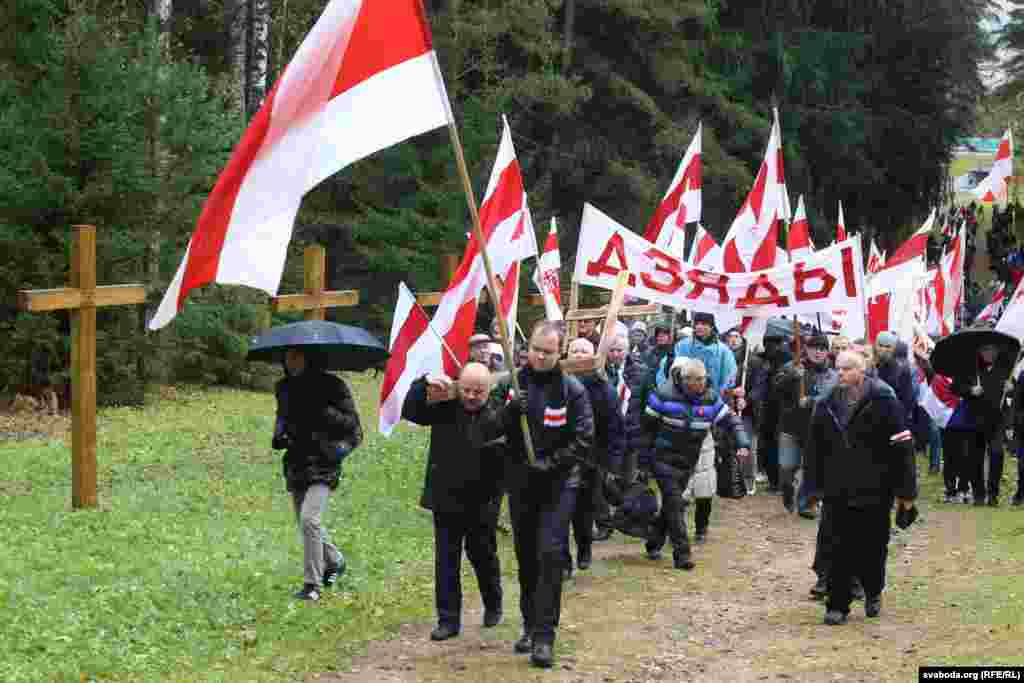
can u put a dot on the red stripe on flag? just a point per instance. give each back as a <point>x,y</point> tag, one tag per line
<point>764,258</point>
<point>691,180</point>
<point>458,335</point>
<point>385,35</point>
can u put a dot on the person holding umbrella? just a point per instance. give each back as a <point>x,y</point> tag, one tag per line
<point>318,427</point>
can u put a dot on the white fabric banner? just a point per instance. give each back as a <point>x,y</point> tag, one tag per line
<point>827,280</point>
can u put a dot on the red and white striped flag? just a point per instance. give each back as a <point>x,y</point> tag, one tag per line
<point>415,351</point>
<point>915,247</point>
<point>1012,320</point>
<point>994,185</point>
<point>841,225</point>
<point>996,306</point>
<point>798,241</point>
<point>682,202</point>
<point>752,241</point>
<point>876,260</point>
<point>365,78</point>
<point>705,252</point>
<point>949,283</point>
<point>548,273</point>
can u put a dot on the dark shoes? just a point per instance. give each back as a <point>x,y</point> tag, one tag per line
<point>583,559</point>
<point>820,588</point>
<point>809,513</point>
<point>524,644</point>
<point>444,632</point>
<point>835,618</point>
<point>856,591</point>
<point>788,496</point>
<point>603,533</point>
<point>543,655</point>
<point>332,572</point>
<point>653,553</point>
<point>873,606</point>
<point>1018,500</point>
<point>309,592</point>
<point>993,502</point>
<point>683,562</point>
<point>701,537</point>
<point>492,617</point>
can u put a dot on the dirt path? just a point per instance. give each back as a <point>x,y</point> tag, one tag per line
<point>742,615</point>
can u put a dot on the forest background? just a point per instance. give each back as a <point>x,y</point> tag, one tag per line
<point>121,113</point>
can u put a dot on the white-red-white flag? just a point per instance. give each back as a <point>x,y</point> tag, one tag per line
<point>364,78</point>
<point>841,224</point>
<point>1012,320</point>
<point>682,202</point>
<point>994,186</point>
<point>705,253</point>
<point>995,307</point>
<point>415,351</point>
<point>547,275</point>
<point>915,247</point>
<point>752,241</point>
<point>798,241</point>
<point>949,283</point>
<point>876,260</point>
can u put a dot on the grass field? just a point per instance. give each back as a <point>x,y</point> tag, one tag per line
<point>186,571</point>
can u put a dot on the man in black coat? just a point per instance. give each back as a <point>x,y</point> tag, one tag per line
<point>463,489</point>
<point>318,427</point>
<point>895,372</point>
<point>860,458</point>
<point>542,494</point>
<point>609,444</point>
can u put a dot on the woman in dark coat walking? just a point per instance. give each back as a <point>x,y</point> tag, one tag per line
<point>318,427</point>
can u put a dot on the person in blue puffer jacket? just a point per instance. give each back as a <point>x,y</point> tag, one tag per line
<point>677,431</point>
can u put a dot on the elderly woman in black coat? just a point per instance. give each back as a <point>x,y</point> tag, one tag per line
<point>317,426</point>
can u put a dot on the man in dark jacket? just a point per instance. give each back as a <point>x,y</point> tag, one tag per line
<point>795,388</point>
<point>318,427</point>
<point>984,396</point>
<point>894,371</point>
<point>860,458</point>
<point>677,432</point>
<point>463,489</point>
<point>609,444</point>
<point>542,494</point>
<point>774,357</point>
<point>661,348</point>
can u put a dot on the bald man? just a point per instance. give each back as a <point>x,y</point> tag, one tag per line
<point>462,487</point>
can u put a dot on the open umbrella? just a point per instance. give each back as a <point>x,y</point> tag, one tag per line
<point>345,347</point>
<point>957,354</point>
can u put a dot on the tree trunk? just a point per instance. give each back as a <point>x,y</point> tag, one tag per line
<point>236,16</point>
<point>259,55</point>
<point>161,12</point>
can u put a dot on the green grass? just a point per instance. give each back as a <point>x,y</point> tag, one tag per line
<point>187,569</point>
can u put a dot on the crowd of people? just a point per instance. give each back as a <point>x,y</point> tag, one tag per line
<point>677,415</point>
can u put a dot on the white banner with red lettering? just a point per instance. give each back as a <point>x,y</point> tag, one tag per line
<point>827,280</point>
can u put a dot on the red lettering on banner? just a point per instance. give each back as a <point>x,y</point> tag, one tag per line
<point>704,280</point>
<point>849,276</point>
<point>801,277</point>
<point>751,298</point>
<point>663,263</point>
<point>601,267</point>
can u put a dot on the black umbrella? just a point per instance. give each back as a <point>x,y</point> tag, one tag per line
<point>345,347</point>
<point>957,354</point>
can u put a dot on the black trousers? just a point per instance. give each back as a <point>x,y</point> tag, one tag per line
<point>584,515</point>
<point>477,529</point>
<point>996,457</point>
<point>960,451</point>
<point>541,508</point>
<point>860,546</point>
<point>672,520</point>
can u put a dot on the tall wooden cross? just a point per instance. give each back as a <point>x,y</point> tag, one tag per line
<point>314,301</point>
<point>82,298</point>
<point>576,314</point>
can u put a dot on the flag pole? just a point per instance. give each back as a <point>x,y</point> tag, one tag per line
<point>492,285</point>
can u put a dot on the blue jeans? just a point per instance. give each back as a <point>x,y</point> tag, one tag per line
<point>790,460</point>
<point>934,445</point>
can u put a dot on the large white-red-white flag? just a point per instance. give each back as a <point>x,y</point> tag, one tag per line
<point>365,78</point>
<point>798,241</point>
<point>682,202</point>
<point>994,186</point>
<point>752,241</point>
<point>547,276</point>
<point>949,283</point>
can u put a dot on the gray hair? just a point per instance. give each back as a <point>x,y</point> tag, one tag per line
<point>851,359</point>
<point>585,343</point>
<point>687,368</point>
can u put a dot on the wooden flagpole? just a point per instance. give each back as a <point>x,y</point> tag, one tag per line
<point>492,285</point>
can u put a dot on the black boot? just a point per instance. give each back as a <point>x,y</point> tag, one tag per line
<point>543,655</point>
<point>682,561</point>
<point>583,558</point>
<point>524,644</point>
<point>820,588</point>
<point>444,632</point>
<point>787,497</point>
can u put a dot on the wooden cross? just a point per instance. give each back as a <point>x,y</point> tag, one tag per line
<point>611,314</point>
<point>82,298</point>
<point>315,300</point>
<point>575,313</point>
